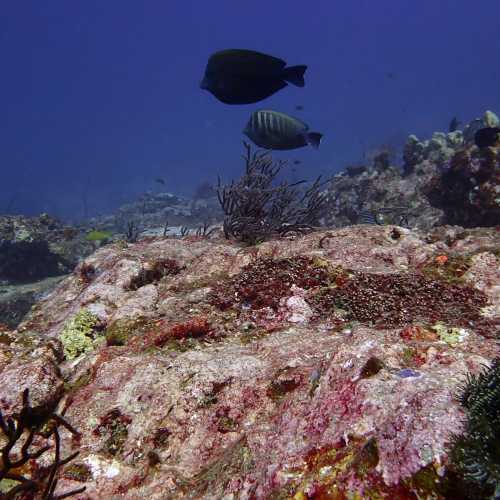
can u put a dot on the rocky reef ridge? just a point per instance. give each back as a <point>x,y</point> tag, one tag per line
<point>323,366</point>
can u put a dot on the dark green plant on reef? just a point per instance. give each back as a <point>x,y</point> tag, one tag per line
<point>258,206</point>
<point>475,454</point>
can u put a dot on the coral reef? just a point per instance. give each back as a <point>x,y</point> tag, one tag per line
<point>444,180</point>
<point>33,252</point>
<point>321,366</point>
<point>152,213</point>
<point>468,192</point>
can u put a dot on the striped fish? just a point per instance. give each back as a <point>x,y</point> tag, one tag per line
<point>393,215</point>
<point>274,130</point>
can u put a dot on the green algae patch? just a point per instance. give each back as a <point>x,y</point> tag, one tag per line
<point>349,472</point>
<point>80,334</point>
<point>6,485</point>
<point>430,482</point>
<point>98,236</point>
<point>452,336</point>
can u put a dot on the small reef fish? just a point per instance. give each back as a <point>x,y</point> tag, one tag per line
<point>160,181</point>
<point>370,217</point>
<point>238,76</point>
<point>454,124</point>
<point>274,130</point>
<point>487,137</point>
<point>383,216</point>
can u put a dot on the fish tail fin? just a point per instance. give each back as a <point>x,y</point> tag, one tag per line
<point>314,139</point>
<point>295,75</point>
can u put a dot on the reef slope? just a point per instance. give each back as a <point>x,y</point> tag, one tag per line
<point>319,367</point>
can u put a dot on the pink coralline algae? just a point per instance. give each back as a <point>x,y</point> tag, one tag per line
<point>293,370</point>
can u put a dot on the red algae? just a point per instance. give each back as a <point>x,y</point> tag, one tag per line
<point>264,281</point>
<point>113,425</point>
<point>394,300</point>
<point>417,332</point>
<point>192,328</point>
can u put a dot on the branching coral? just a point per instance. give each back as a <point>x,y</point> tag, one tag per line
<point>256,207</point>
<point>14,467</point>
<point>475,454</point>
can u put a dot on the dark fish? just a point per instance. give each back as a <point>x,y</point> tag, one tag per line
<point>239,76</point>
<point>297,162</point>
<point>160,181</point>
<point>274,130</point>
<point>454,124</point>
<point>486,137</point>
<point>299,107</point>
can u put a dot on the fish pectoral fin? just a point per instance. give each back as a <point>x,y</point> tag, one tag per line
<point>295,75</point>
<point>314,139</point>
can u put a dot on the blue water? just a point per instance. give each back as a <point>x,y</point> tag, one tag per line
<point>98,98</point>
